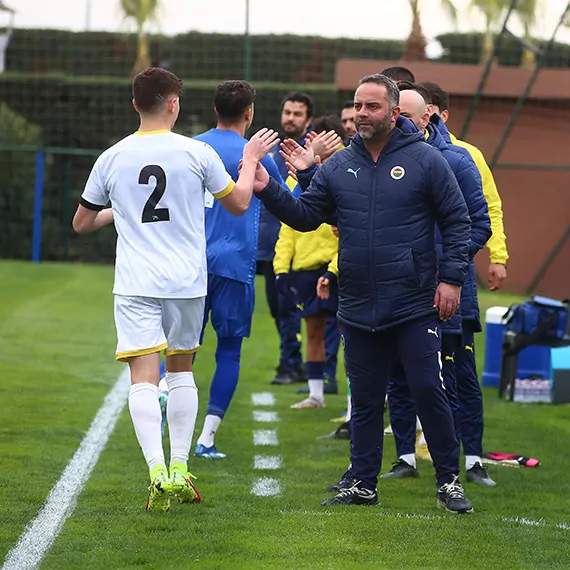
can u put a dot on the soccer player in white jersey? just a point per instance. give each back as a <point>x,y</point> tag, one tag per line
<point>155,181</point>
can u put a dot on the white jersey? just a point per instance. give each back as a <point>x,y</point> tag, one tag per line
<point>156,182</point>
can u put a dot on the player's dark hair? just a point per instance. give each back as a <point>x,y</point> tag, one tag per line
<point>298,97</point>
<point>153,86</point>
<point>232,98</point>
<point>392,91</point>
<point>398,73</point>
<point>329,123</point>
<point>348,104</point>
<point>439,97</point>
<point>418,87</point>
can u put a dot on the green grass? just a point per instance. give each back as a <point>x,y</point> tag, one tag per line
<point>56,367</point>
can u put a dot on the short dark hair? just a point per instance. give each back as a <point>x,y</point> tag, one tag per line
<point>232,98</point>
<point>348,104</point>
<point>392,91</point>
<point>418,87</point>
<point>298,97</point>
<point>398,73</point>
<point>329,123</point>
<point>153,86</point>
<point>439,97</point>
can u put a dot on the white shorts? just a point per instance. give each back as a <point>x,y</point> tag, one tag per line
<point>147,324</point>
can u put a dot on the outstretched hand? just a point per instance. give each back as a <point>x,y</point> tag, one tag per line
<point>298,157</point>
<point>260,144</point>
<point>325,144</point>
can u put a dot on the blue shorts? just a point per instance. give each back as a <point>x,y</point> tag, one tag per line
<point>230,305</point>
<point>305,284</point>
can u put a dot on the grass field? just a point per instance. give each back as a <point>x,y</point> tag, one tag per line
<point>56,366</point>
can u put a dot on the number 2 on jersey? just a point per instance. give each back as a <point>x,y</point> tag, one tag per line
<point>150,212</point>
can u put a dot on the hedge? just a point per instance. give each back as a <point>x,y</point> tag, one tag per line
<point>288,59</point>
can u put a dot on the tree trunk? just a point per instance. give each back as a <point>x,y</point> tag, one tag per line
<point>415,45</point>
<point>487,45</point>
<point>143,58</point>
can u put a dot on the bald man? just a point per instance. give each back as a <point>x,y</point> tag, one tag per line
<point>401,405</point>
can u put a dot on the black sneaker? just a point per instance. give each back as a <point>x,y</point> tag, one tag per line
<point>345,482</point>
<point>355,495</point>
<point>451,496</point>
<point>342,432</point>
<point>282,377</point>
<point>400,470</point>
<point>478,474</point>
<point>298,374</point>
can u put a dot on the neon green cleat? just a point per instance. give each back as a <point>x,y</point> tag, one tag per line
<point>182,487</point>
<point>159,490</point>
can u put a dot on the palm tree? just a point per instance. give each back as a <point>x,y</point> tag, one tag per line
<point>141,12</point>
<point>526,12</point>
<point>415,44</point>
<point>492,11</point>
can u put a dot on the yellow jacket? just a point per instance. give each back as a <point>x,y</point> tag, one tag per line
<point>497,244</point>
<point>304,251</point>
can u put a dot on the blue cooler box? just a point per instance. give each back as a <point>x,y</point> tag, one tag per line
<point>533,360</point>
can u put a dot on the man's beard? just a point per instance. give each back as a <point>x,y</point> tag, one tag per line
<point>376,130</point>
<point>293,131</point>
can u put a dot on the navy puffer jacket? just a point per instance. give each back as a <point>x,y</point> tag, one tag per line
<point>387,212</point>
<point>469,300</point>
<point>470,184</point>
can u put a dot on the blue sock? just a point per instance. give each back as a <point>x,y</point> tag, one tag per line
<point>226,377</point>
<point>163,369</point>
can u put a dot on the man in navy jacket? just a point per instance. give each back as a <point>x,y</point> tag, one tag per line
<point>413,105</point>
<point>388,189</point>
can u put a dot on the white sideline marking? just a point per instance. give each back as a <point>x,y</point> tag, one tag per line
<point>265,437</point>
<point>41,532</point>
<point>266,487</point>
<point>267,462</point>
<point>263,399</point>
<point>262,416</point>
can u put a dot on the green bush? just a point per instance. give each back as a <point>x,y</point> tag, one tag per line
<point>286,59</point>
<point>17,176</point>
<point>467,48</point>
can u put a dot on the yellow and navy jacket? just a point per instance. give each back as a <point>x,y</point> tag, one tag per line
<point>497,244</point>
<point>305,251</point>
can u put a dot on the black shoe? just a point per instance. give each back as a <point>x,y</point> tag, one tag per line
<point>355,495</point>
<point>330,388</point>
<point>342,432</point>
<point>400,470</point>
<point>345,482</point>
<point>298,374</point>
<point>282,377</point>
<point>478,474</point>
<point>451,496</point>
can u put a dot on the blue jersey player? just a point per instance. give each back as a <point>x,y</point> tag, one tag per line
<point>231,252</point>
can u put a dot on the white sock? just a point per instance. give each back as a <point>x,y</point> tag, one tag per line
<point>422,439</point>
<point>418,424</point>
<point>146,416</point>
<point>348,408</point>
<point>409,458</point>
<point>317,389</point>
<point>211,425</point>
<point>181,414</point>
<point>471,460</point>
